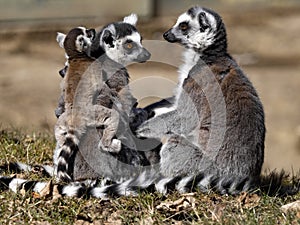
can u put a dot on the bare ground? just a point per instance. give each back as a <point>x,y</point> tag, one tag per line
<point>268,50</point>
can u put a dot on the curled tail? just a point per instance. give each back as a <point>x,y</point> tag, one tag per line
<point>64,161</point>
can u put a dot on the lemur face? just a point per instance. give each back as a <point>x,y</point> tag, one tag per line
<point>81,38</point>
<point>78,41</point>
<point>195,29</point>
<point>122,42</point>
<point>84,40</point>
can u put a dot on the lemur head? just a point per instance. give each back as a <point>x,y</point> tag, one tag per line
<point>200,29</point>
<point>77,42</point>
<point>122,42</point>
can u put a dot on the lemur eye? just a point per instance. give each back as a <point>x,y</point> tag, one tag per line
<point>129,45</point>
<point>183,26</point>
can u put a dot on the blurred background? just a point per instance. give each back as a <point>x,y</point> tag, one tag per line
<point>263,37</point>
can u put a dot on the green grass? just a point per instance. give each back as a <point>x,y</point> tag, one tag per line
<point>147,208</point>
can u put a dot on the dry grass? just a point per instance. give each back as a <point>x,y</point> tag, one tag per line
<point>147,208</point>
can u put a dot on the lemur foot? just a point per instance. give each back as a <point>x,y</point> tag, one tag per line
<point>114,146</point>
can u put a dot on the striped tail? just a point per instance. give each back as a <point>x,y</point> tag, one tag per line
<point>66,152</point>
<point>18,167</point>
<point>144,182</point>
<point>89,188</point>
<point>16,184</point>
<point>153,181</point>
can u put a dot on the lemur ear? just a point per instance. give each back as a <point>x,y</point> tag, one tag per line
<point>107,38</point>
<point>203,21</point>
<point>131,19</point>
<point>91,33</point>
<point>60,38</point>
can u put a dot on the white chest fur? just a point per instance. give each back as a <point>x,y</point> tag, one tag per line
<point>190,58</point>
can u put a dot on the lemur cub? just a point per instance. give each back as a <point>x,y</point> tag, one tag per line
<point>81,87</point>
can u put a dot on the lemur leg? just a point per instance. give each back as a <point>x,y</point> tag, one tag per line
<point>109,118</point>
<point>167,123</point>
<point>179,156</point>
<point>182,120</point>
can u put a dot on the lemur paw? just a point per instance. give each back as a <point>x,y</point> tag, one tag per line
<point>115,146</point>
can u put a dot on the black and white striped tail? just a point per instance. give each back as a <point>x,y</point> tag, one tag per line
<point>153,181</point>
<point>18,167</point>
<point>150,181</point>
<point>64,159</point>
<point>16,184</point>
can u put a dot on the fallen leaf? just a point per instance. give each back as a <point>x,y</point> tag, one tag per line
<point>47,190</point>
<point>115,222</point>
<point>20,176</point>
<point>55,194</point>
<point>22,191</point>
<point>147,221</point>
<point>178,205</point>
<point>41,223</point>
<point>36,195</point>
<point>218,212</point>
<point>81,222</point>
<point>248,200</point>
<point>29,140</point>
<point>114,219</point>
<point>295,206</point>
